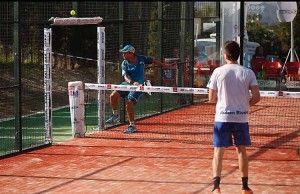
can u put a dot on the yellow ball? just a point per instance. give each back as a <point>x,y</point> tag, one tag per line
<point>73,12</point>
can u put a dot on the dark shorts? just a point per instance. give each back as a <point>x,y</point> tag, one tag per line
<point>227,133</point>
<point>132,95</point>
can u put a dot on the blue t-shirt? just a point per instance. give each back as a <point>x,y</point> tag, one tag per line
<point>136,71</point>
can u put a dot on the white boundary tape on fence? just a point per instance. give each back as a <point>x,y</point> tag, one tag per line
<point>48,84</point>
<point>101,75</point>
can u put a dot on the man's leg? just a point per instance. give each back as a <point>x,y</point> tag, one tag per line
<point>130,111</point>
<point>243,160</point>
<point>133,98</point>
<point>222,139</point>
<point>114,100</point>
<point>217,166</point>
<point>243,167</point>
<point>242,140</point>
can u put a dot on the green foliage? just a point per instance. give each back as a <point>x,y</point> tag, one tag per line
<point>271,37</point>
<point>6,55</point>
<point>153,36</point>
<point>297,31</point>
<point>205,11</point>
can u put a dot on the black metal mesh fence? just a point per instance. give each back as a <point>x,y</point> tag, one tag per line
<point>7,80</point>
<point>6,36</point>
<point>139,23</point>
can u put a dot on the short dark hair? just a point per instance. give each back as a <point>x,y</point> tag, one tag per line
<point>232,50</point>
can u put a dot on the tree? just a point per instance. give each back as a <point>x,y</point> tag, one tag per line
<point>297,31</point>
<point>152,35</point>
<point>271,37</point>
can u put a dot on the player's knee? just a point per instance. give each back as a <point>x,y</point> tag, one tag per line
<point>114,95</point>
<point>131,99</point>
<point>241,149</point>
<point>129,105</point>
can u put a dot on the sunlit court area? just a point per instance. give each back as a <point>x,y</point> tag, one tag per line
<point>65,66</point>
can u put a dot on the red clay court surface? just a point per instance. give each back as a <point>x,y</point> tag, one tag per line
<point>171,157</point>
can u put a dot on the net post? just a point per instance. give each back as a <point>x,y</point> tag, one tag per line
<point>76,100</point>
<point>101,76</point>
<point>48,84</point>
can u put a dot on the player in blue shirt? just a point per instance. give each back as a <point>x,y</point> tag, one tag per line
<point>133,68</point>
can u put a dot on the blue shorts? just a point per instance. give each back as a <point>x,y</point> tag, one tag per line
<point>132,95</point>
<point>226,132</point>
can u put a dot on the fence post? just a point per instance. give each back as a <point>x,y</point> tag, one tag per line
<point>17,75</point>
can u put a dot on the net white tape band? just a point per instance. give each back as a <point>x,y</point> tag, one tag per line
<point>141,88</point>
<point>179,90</point>
<point>281,94</point>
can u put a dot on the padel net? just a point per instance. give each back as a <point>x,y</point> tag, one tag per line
<point>180,114</point>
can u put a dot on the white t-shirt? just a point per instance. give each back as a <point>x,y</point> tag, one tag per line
<point>232,83</point>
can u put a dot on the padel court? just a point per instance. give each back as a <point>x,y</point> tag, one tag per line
<point>171,152</point>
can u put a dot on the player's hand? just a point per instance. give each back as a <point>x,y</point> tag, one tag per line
<point>136,83</point>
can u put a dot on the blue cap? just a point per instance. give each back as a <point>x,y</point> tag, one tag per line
<point>127,48</point>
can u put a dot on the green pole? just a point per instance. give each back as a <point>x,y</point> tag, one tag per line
<point>182,44</point>
<point>121,40</point>
<point>17,76</point>
<point>160,43</point>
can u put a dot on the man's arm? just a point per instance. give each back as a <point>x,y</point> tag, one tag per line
<point>129,80</point>
<point>157,63</point>
<point>212,95</point>
<point>255,95</point>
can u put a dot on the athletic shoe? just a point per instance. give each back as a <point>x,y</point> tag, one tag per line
<point>217,191</point>
<point>130,129</point>
<point>113,119</point>
<point>247,191</point>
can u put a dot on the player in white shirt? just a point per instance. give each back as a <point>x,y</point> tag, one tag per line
<point>229,87</point>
